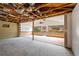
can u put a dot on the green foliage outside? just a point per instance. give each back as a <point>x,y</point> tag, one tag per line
<point>55,31</point>
<point>36,29</point>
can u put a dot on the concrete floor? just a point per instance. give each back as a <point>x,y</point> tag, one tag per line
<point>24,46</point>
<point>50,40</point>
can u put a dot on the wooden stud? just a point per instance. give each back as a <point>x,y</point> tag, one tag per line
<point>33,30</point>
<point>65,30</point>
<point>18,29</point>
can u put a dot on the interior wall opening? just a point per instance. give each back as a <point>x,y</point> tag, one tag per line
<point>26,30</point>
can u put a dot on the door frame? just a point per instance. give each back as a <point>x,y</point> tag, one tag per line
<point>65,30</point>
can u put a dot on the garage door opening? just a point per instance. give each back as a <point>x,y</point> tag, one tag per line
<point>50,30</point>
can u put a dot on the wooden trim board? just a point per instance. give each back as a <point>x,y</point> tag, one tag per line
<point>65,30</point>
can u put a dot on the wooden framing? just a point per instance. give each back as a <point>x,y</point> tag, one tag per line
<point>65,30</point>
<point>42,6</point>
<point>53,9</point>
<point>18,29</point>
<point>33,30</point>
<point>58,13</point>
<point>58,8</point>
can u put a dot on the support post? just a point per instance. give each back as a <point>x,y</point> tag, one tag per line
<point>65,30</point>
<point>33,30</point>
<point>18,29</point>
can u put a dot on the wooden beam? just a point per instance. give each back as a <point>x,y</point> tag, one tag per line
<point>7,19</point>
<point>65,30</point>
<point>2,5</point>
<point>57,8</point>
<point>61,12</point>
<point>42,6</point>
<point>67,8</point>
<point>19,5</point>
<point>4,17</point>
<point>33,30</point>
<point>18,29</point>
<point>57,11</point>
<point>36,15</point>
<point>55,14</point>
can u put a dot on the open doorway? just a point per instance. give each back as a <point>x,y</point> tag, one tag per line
<point>50,30</point>
<point>26,30</point>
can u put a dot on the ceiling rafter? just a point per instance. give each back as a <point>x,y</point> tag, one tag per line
<point>42,6</point>
<point>39,17</point>
<point>19,5</point>
<point>20,13</point>
<point>6,18</point>
<point>55,14</point>
<point>57,8</point>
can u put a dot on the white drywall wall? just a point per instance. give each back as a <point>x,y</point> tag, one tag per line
<point>75,30</point>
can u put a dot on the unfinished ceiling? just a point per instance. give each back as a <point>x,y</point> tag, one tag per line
<point>23,12</point>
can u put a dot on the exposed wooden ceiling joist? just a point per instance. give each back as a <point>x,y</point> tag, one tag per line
<point>18,12</point>
<point>58,8</point>
<point>59,13</point>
